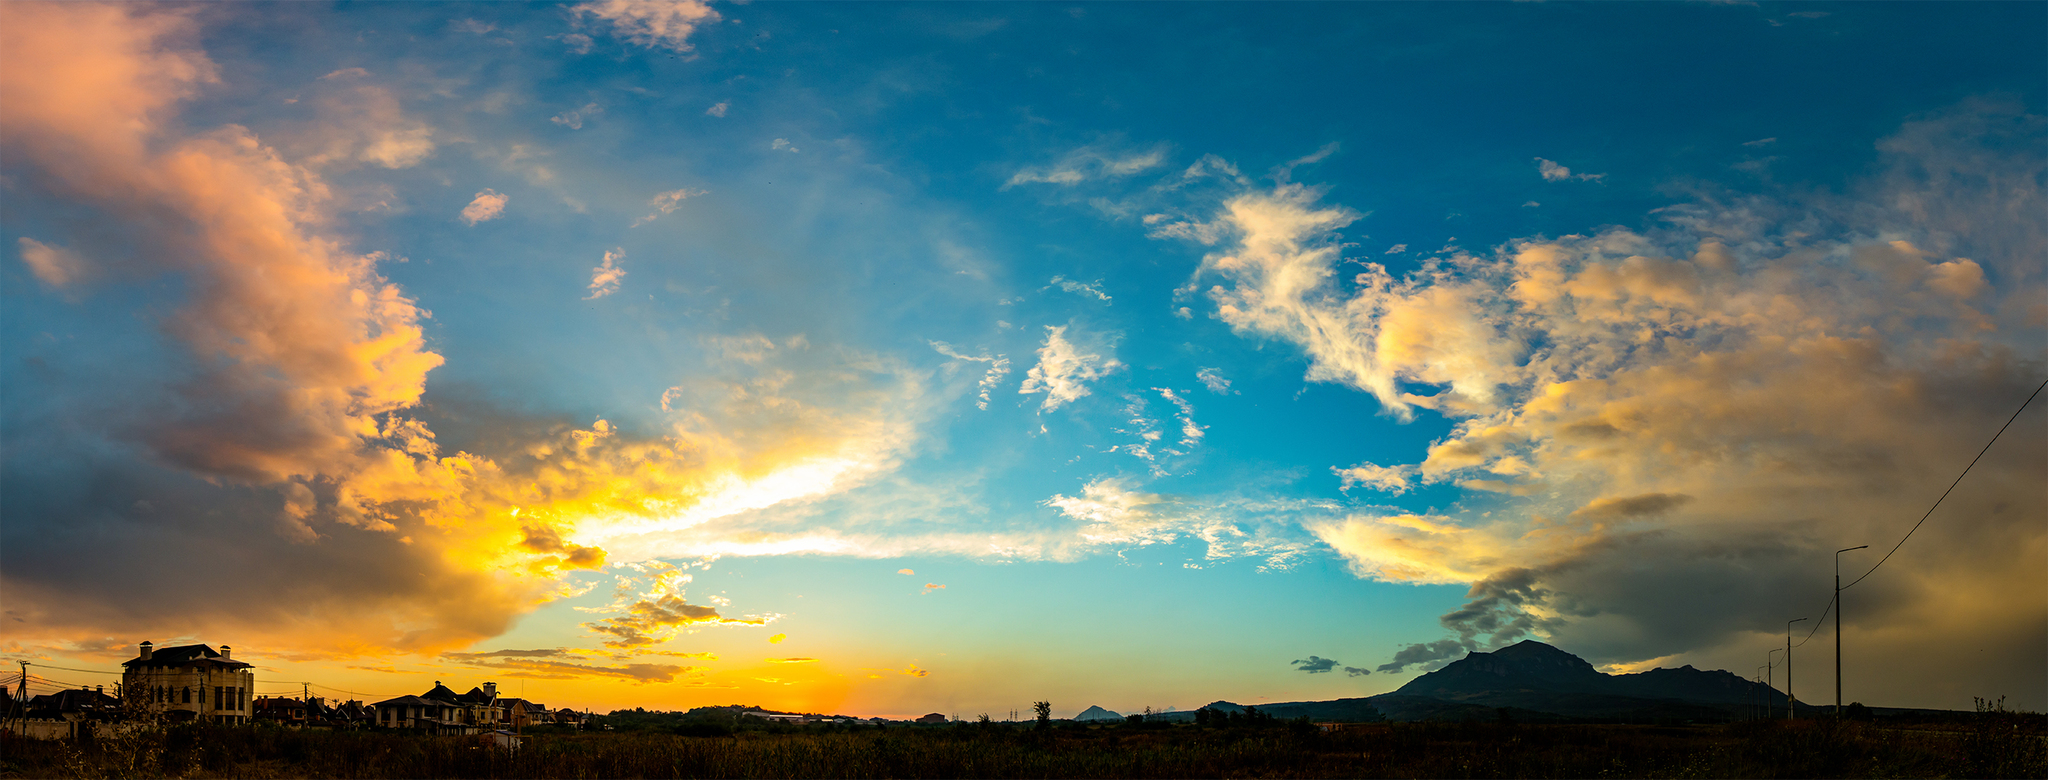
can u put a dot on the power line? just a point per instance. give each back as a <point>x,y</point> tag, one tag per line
<point>1817,624</point>
<point>1952,485</point>
<point>63,669</point>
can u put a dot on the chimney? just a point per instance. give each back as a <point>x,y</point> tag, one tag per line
<point>491,689</point>
<point>227,653</point>
<point>147,649</point>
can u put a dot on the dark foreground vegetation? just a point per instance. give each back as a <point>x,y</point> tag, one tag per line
<point>1993,744</point>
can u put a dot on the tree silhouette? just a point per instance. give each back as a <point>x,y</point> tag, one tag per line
<point>1044,710</point>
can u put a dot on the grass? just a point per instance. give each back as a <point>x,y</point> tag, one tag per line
<point>1992,745</point>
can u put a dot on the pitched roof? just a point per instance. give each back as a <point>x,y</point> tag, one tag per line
<point>475,696</point>
<point>443,693</point>
<point>411,701</point>
<point>186,655</point>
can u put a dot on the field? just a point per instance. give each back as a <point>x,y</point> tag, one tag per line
<point>2002,745</point>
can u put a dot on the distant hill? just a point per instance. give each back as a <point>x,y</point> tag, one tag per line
<point>1535,676</point>
<point>1097,713</point>
<point>1535,682</point>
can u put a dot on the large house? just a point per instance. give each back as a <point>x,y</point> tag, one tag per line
<point>443,711</point>
<point>190,682</point>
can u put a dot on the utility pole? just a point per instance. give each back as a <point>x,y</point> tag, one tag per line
<point>1839,625</point>
<point>1791,702</point>
<point>1770,685</point>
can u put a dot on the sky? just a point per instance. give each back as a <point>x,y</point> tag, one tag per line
<point>884,359</point>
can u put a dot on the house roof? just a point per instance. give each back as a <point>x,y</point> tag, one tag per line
<point>476,696</point>
<point>186,655</point>
<point>443,693</point>
<point>73,701</point>
<point>411,701</point>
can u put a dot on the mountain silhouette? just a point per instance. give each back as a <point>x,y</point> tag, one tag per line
<point>1533,681</point>
<point>1531,675</point>
<point>1097,713</point>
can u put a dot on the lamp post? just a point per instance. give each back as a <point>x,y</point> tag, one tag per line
<point>1838,627</point>
<point>1791,702</point>
<point>1770,685</point>
<point>1766,707</point>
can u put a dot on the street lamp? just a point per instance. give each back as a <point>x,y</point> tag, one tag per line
<point>1791,702</point>
<point>1769,683</point>
<point>1838,627</point>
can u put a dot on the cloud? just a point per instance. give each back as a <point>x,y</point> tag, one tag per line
<point>1700,407</point>
<point>1315,665</point>
<point>358,123</point>
<point>605,278</point>
<point>1554,172</point>
<point>1114,515</point>
<point>776,639</point>
<point>1063,370</point>
<point>1396,249</point>
<point>1761,142</point>
<point>487,206</point>
<point>655,24</point>
<point>1386,479</point>
<point>1212,378</point>
<point>718,109</point>
<point>1428,655</point>
<point>667,203</point>
<point>1084,289</point>
<point>295,432</point>
<point>573,118</point>
<point>1353,671</point>
<point>53,265</point>
<point>791,660</point>
<point>529,665</point>
<point>905,572</point>
<point>781,144</point>
<point>1089,163</point>
<point>998,367</point>
<point>659,613</point>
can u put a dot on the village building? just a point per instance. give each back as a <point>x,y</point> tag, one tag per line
<point>190,682</point>
<point>520,713</point>
<point>443,711</point>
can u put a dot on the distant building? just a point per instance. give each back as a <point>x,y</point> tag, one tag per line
<point>933,718</point>
<point>190,682</point>
<point>520,713</point>
<point>443,711</point>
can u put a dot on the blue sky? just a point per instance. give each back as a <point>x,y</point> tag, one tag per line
<point>595,345</point>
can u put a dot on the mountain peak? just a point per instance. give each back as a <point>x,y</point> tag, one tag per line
<point>1097,713</point>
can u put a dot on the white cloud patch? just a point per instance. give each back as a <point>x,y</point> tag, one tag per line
<point>1084,289</point>
<point>487,206</point>
<point>655,24</point>
<point>1089,163</point>
<point>1552,171</point>
<point>1112,514</point>
<point>667,203</point>
<point>718,109</point>
<point>782,145</point>
<point>1386,479</point>
<point>605,278</point>
<point>53,265</point>
<point>1064,370</point>
<point>573,118</point>
<point>998,367</point>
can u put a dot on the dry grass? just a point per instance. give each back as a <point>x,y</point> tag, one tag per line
<point>1996,745</point>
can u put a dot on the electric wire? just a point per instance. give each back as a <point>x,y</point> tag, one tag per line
<point>1817,624</point>
<point>1952,485</point>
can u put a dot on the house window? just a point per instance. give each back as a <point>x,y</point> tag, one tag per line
<point>218,699</point>
<point>188,694</point>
